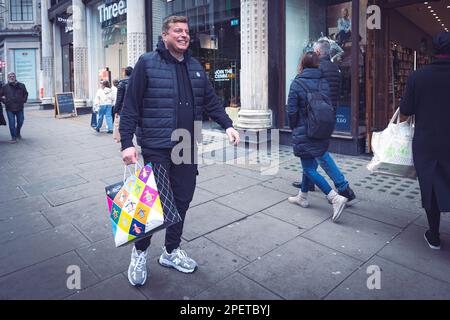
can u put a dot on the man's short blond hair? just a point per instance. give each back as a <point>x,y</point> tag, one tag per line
<point>173,19</point>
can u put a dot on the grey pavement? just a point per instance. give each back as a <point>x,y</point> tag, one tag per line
<point>249,242</point>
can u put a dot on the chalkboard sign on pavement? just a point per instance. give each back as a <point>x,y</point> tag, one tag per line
<point>65,105</point>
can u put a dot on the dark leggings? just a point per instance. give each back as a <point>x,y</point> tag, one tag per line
<point>434,216</point>
<point>183,180</point>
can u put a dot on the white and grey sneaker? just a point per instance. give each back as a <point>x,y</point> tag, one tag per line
<point>339,203</point>
<point>178,260</point>
<point>301,200</point>
<point>137,271</point>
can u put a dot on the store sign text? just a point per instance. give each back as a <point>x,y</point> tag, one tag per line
<point>112,11</point>
<point>67,23</point>
<point>224,75</point>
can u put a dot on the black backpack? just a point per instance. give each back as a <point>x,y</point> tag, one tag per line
<point>321,116</point>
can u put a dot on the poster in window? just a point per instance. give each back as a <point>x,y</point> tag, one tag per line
<point>25,69</point>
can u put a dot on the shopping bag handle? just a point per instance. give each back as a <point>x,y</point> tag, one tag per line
<point>411,120</point>
<point>396,117</point>
<point>125,168</point>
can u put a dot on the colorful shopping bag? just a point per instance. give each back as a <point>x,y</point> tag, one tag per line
<point>141,205</point>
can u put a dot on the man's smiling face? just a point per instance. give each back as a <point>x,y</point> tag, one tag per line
<point>177,38</point>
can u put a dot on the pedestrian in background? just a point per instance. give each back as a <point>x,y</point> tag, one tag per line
<point>311,151</point>
<point>117,111</point>
<point>427,97</point>
<point>332,74</point>
<point>2,117</point>
<point>105,100</point>
<point>114,91</point>
<point>14,95</point>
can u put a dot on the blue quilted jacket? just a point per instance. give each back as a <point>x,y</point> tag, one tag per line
<point>151,101</point>
<point>305,147</point>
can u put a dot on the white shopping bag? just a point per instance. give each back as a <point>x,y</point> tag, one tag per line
<point>393,151</point>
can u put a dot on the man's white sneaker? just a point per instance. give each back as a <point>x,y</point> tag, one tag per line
<point>137,271</point>
<point>301,200</point>
<point>178,260</point>
<point>338,202</point>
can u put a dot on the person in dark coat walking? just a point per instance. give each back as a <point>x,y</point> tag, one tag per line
<point>312,151</point>
<point>120,99</point>
<point>330,70</point>
<point>427,97</point>
<point>14,95</point>
<point>168,90</point>
<point>332,74</point>
<point>121,90</point>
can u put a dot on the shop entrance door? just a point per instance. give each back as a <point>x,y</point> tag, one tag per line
<point>68,68</point>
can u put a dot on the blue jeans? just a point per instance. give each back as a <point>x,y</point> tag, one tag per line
<point>14,128</point>
<point>327,163</point>
<point>105,111</point>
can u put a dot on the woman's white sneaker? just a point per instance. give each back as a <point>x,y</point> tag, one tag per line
<point>301,200</point>
<point>338,202</point>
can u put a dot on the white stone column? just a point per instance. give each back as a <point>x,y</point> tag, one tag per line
<point>47,55</point>
<point>57,59</point>
<point>136,30</point>
<point>80,58</point>
<point>255,113</point>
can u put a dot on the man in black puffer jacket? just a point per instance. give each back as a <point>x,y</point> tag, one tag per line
<point>168,90</point>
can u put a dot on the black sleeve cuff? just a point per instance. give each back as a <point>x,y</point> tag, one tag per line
<point>127,144</point>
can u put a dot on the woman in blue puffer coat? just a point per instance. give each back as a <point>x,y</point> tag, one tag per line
<point>311,151</point>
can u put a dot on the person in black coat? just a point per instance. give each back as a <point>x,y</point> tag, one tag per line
<point>121,90</point>
<point>120,100</point>
<point>168,91</point>
<point>330,70</point>
<point>14,95</point>
<point>427,97</point>
<point>312,151</point>
<point>332,74</point>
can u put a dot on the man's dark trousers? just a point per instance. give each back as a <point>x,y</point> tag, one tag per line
<point>183,179</point>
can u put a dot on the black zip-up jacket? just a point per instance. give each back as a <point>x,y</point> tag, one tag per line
<point>151,109</point>
<point>16,95</point>
<point>332,74</point>
<point>121,90</point>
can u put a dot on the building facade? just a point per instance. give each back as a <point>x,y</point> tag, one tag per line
<point>249,48</point>
<point>20,46</point>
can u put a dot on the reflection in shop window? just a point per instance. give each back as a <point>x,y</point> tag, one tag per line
<point>215,41</point>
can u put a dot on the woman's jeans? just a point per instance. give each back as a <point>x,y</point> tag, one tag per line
<point>13,129</point>
<point>105,111</point>
<point>327,163</point>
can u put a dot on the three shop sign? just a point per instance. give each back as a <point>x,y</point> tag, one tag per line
<point>112,12</point>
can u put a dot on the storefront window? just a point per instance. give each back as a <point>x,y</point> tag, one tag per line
<point>340,30</point>
<point>114,39</point>
<point>310,21</point>
<point>215,40</point>
<point>111,21</point>
<point>305,24</point>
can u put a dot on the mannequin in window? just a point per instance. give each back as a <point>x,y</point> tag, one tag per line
<point>344,28</point>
